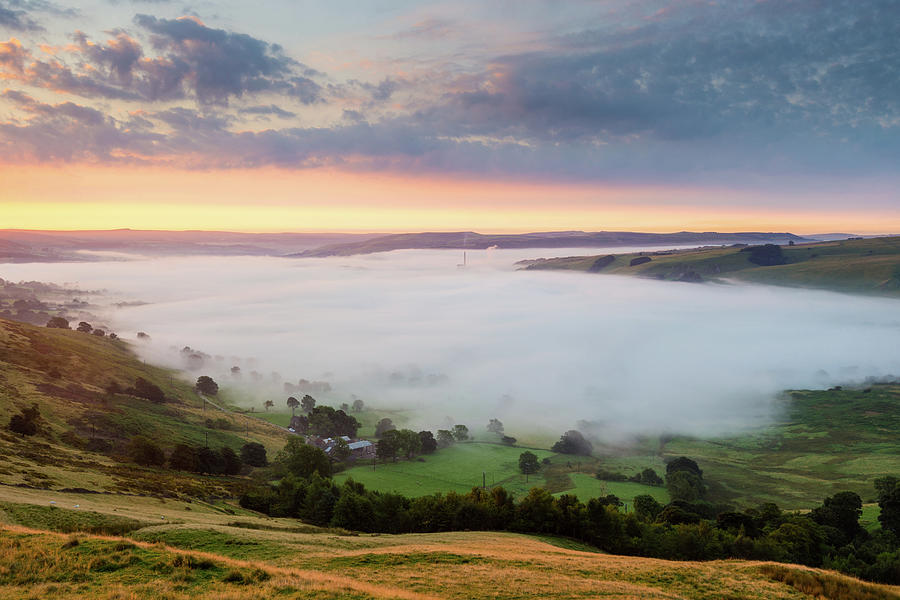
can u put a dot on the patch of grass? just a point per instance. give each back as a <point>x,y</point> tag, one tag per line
<point>588,486</point>
<point>67,520</point>
<point>819,584</point>
<point>458,468</point>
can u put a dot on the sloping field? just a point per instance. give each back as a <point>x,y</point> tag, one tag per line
<point>209,553</point>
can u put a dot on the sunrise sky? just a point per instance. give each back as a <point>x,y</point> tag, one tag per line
<point>491,116</point>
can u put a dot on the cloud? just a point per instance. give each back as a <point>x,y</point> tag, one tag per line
<point>271,109</point>
<point>16,14</point>
<point>222,64</point>
<point>12,58</point>
<point>537,350</point>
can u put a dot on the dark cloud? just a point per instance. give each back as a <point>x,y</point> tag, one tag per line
<point>16,15</point>
<point>222,64</point>
<point>271,109</point>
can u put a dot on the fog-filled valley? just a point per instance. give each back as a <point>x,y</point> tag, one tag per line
<point>539,350</point>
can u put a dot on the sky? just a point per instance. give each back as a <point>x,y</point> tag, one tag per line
<point>503,116</point>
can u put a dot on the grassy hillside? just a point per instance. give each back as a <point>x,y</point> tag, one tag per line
<point>858,266</point>
<point>65,374</point>
<point>199,552</point>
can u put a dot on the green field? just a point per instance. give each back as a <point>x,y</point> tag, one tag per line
<point>588,486</point>
<point>869,266</point>
<point>458,468</point>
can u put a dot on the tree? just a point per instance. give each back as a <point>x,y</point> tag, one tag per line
<point>358,405</point>
<point>573,442</point>
<point>302,460</point>
<point>889,503</point>
<point>206,385</point>
<point>647,477</point>
<point>147,390</point>
<point>143,336</point>
<point>209,461</point>
<point>254,454</point>
<point>268,404</point>
<point>99,332</point>
<point>345,407</point>
<point>144,452</point>
<point>383,426</point>
<point>231,463</point>
<point>293,403</point>
<point>183,458</point>
<point>84,327</point>
<point>408,442</point>
<point>495,426</point>
<point>683,463</point>
<point>445,438</point>
<point>685,485</point>
<point>646,507</point>
<point>58,323</point>
<point>428,443</point>
<point>841,511</point>
<point>341,450</point>
<point>25,423</point>
<point>307,403</point>
<point>388,446</point>
<point>508,440</point>
<point>528,463</point>
<point>767,255</point>
<point>460,433</point>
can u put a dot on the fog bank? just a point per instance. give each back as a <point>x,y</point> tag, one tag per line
<point>410,329</point>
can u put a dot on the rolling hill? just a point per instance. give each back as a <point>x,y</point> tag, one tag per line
<point>464,240</point>
<point>870,266</point>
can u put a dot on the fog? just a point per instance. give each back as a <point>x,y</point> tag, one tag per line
<point>536,349</point>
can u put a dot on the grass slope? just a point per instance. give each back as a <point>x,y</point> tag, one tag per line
<point>206,553</point>
<point>65,373</point>
<point>870,266</point>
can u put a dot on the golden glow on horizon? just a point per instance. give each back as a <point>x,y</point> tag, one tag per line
<point>267,200</point>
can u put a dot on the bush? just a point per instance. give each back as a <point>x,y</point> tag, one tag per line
<point>58,323</point>
<point>25,423</point>
<point>144,452</point>
<point>254,454</point>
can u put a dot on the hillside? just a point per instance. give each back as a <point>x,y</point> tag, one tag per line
<point>870,266</point>
<point>467,240</point>
<point>139,547</point>
<point>85,428</point>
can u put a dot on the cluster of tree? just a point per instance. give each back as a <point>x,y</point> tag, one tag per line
<point>573,442</point>
<point>645,477</point>
<point>684,480</point>
<point>406,443</point>
<point>85,327</point>
<point>767,255</point>
<point>304,386</point>
<point>325,421</point>
<point>26,422</point>
<point>829,536</point>
<point>196,459</point>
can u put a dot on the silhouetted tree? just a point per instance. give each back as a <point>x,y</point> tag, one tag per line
<point>460,433</point>
<point>183,458</point>
<point>495,426</point>
<point>206,385</point>
<point>293,403</point>
<point>231,463</point>
<point>307,403</point>
<point>58,323</point>
<point>147,390</point>
<point>254,454</point>
<point>268,404</point>
<point>84,327</point>
<point>358,405</point>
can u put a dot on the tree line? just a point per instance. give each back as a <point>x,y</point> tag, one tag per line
<point>829,536</point>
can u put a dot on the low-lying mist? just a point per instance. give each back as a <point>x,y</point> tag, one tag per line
<point>409,329</point>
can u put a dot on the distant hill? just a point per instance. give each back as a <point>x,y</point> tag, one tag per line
<point>463,240</point>
<point>18,245</point>
<point>858,265</point>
